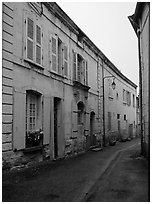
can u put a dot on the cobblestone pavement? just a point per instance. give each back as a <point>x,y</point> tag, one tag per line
<point>65,180</point>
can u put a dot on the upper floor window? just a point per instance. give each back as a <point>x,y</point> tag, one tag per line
<point>58,56</point>
<point>80,69</point>
<point>124,95</point>
<point>33,41</point>
<point>110,89</point>
<point>128,96</point>
<point>133,100</point>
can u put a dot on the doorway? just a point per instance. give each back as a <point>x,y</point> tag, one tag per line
<point>92,122</point>
<point>57,124</point>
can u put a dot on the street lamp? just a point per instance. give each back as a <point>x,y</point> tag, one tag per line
<point>113,87</point>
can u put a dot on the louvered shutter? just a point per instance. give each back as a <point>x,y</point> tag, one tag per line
<point>19,124</point>
<point>74,66</point>
<point>65,60</point>
<point>79,71</point>
<point>74,112</point>
<point>38,44</point>
<point>54,51</point>
<point>83,72</point>
<point>30,38</point>
<point>46,118</point>
<point>86,72</point>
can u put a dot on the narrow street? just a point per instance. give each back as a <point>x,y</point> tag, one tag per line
<point>117,173</point>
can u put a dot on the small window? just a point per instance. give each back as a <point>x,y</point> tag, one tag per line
<point>118,116</point>
<point>125,117</point>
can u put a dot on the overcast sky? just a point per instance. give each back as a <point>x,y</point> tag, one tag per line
<point>108,26</point>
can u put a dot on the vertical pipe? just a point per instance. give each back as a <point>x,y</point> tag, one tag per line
<point>103,105</point>
<point>140,93</point>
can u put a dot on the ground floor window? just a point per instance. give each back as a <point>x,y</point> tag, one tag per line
<point>33,119</point>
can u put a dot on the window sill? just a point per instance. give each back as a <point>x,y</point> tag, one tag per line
<point>56,74</point>
<point>34,64</point>
<point>80,85</point>
<point>32,149</point>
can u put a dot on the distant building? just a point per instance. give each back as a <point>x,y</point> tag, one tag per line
<point>53,87</point>
<point>140,21</point>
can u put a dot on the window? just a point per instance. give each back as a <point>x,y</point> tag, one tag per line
<point>33,41</point>
<point>128,97</point>
<point>118,116</point>
<point>124,96</point>
<point>80,113</point>
<point>33,119</point>
<point>125,117</point>
<point>58,56</point>
<point>133,100</point>
<point>109,120</point>
<point>110,88</point>
<point>80,69</point>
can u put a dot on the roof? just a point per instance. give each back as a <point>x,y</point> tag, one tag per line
<point>58,12</point>
<point>134,19</point>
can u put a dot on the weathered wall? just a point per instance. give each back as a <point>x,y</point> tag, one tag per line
<point>145,65</point>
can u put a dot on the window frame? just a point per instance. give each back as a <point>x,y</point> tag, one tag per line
<point>34,40</point>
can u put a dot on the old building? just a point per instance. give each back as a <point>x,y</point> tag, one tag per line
<point>140,21</point>
<point>53,80</point>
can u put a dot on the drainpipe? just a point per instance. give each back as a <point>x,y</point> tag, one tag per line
<point>103,105</point>
<point>140,91</point>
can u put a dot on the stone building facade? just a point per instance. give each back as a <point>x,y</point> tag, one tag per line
<point>140,21</point>
<point>52,102</point>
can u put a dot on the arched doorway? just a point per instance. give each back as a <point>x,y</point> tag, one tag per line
<point>92,123</point>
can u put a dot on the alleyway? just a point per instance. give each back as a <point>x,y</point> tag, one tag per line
<point>116,173</point>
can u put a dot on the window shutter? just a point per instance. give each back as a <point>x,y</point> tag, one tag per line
<point>74,119</point>
<point>83,72</point>
<point>86,72</point>
<point>38,44</point>
<point>74,66</point>
<point>46,118</point>
<point>19,132</point>
<point>79,71</point>
<point>54,53</point>
<point>30,38</point>
<point>65,60</point>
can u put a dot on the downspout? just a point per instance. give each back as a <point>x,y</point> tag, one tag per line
<point>104,142</point>
<point>140,92</point>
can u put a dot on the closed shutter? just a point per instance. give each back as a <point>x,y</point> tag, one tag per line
<point>19,120</point>
<point>74,112</point>
<point>54,50</point>
<point>74,66</point>
<point>86,72</point>
<point>65,60</point>
<point>79,71</point>
<point>46,118</point>
<point>38,44</point>
<point>30,38</point>
<point>83,72</point>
